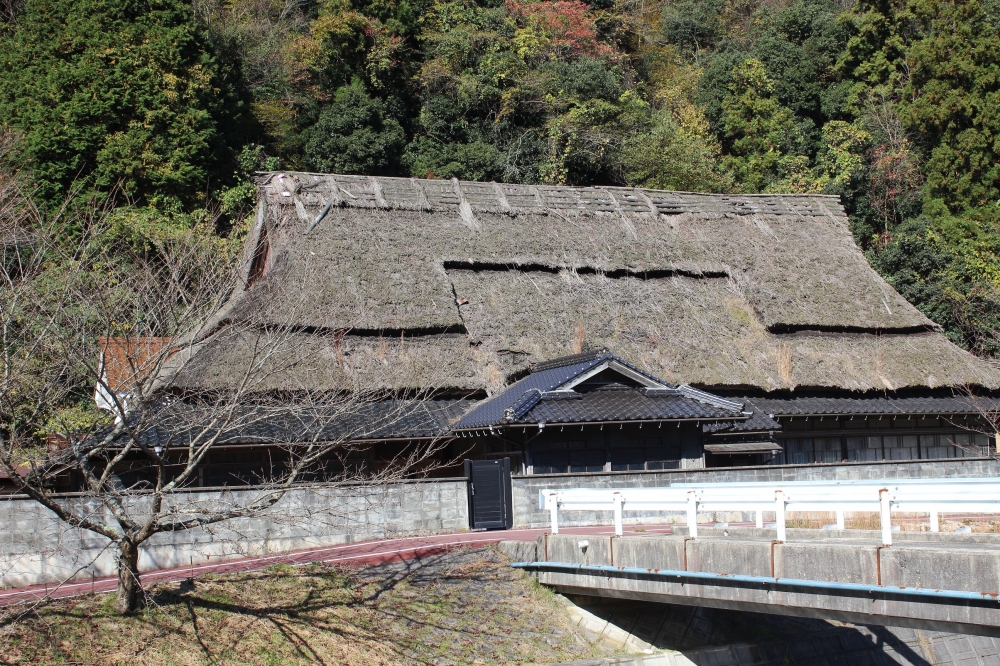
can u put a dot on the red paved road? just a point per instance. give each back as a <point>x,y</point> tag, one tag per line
<point>365,552</point>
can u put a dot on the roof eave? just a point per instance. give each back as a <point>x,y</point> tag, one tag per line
<point>544,424</point>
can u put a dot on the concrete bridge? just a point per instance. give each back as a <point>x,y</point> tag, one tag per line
<point>923,581</point>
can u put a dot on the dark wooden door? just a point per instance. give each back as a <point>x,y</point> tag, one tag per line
<point>489,494</point>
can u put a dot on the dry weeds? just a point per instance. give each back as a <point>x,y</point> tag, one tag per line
<point>907,522</point>
<point>467,607</point>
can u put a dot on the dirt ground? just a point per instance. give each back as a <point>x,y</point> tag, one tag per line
<point>466,607</point>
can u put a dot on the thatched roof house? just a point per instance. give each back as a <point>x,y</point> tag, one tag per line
<point>463,286</point>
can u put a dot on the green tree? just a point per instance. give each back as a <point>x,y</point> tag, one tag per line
<point>522,91</point>
<point>477,160</point>
<point>116,93</point>
<point>939,60</point>
<point>949,267</point>
<point>760,132</point>
<point>355,134</point>
<point>933,71</point>
<point>669,157</point>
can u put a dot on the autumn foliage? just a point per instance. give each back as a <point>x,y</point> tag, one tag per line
<point>567,26</point>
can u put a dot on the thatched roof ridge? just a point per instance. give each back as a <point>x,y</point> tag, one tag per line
<point>464,285</point>
<point>513,199</point>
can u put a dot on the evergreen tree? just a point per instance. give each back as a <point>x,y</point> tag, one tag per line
<point>116,93</point>
<point>760,131</point>
<point>355,134</point>
<point>939,60</point>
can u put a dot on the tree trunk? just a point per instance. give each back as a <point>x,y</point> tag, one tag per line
<point>130,596</point>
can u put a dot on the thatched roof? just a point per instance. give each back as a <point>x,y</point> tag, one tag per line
<point>463,285</point>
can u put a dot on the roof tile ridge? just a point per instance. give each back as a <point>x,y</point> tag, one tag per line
<point>710,398</point>
<point>522,405</point>
<point>573,359</point>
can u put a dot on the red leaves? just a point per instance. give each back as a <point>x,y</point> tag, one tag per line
<point>565,23</point>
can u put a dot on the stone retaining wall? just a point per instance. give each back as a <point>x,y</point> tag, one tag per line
<point>36,547</point>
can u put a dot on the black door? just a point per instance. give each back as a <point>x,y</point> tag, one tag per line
<point>489,494</point>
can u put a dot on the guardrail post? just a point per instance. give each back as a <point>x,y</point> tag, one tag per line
<point>779,514</point>
<point>554,512</point>
<point>760,518</point>
<point>840,519</point>
<point>692,515</point>
<point>886,518</point>
<point>618,514</point>
<point>935,527</point>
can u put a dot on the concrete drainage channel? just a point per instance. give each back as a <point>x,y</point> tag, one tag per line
<point>869,646</point>
<point>621,638</point>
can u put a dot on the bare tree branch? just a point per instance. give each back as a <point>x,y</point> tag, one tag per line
<point>93,311</point>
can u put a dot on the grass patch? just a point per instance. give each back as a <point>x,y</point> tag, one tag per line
<point>466,607</point>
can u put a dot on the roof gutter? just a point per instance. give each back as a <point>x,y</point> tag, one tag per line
<point>851,415</point>
<point>299,443</point>
<point>486,426</point>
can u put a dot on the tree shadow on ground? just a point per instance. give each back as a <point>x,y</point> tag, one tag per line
<point>449,608</point>
<point>358,588</point>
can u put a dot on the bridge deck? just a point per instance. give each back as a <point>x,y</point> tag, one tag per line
<point>928,581</point>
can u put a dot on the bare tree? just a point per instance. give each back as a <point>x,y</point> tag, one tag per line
<point>9,11</point>
<point>83,307</point>
<point>894,177</point>
<point>988,410</point>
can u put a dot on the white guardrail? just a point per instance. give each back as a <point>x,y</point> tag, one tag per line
<point>931,496</point>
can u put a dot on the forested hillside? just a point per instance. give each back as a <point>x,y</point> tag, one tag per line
<point>169,106</point>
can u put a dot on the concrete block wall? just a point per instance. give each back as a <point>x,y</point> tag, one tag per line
<point>36,547</point>
<point>526,488</point>
<point>935,562</point>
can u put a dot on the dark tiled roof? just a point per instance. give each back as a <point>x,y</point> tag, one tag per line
<point>623,405</point>
<point>759,422</point>
<point>563,361</point>
<point>531,400</point>
<point>522,395</point>
<point>812,406</point>
<point>385,419</point>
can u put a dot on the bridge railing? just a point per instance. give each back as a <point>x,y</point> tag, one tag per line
<point>931,496</point>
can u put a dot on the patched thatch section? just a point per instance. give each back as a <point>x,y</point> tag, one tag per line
<point>310,362</point>
<point>481,279</point>
<point>689,330</point>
